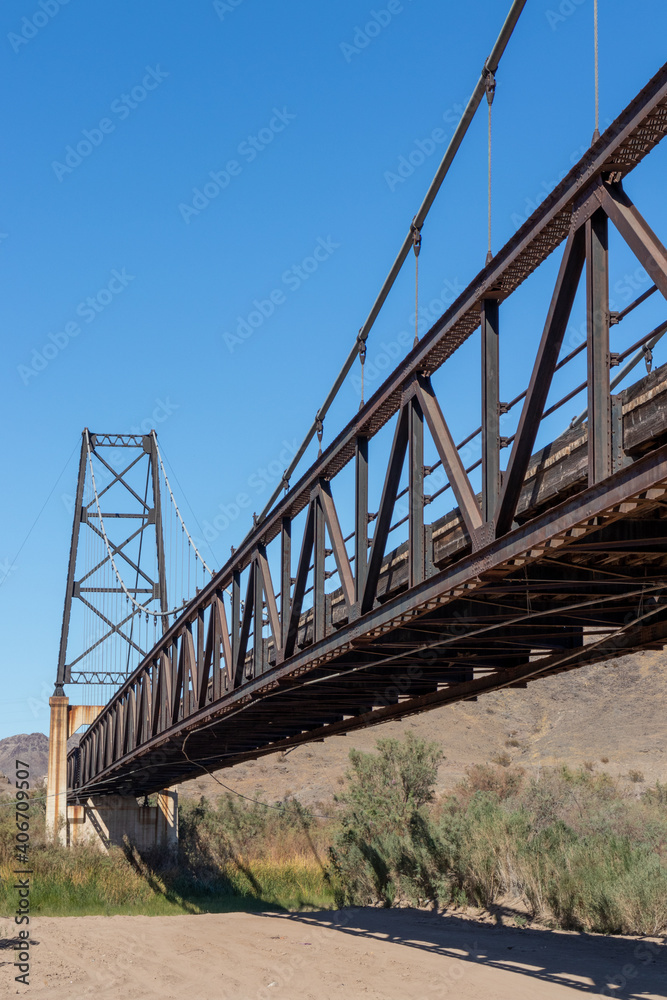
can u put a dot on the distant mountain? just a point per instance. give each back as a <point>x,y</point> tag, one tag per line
<point>33,749</point>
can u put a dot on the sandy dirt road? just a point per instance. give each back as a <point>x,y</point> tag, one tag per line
<point>367,953</point>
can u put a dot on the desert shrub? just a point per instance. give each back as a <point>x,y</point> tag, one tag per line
<point>656,795</point>
<point>571,845</point>
<point>386,848</point>
<point>502,781</point>
<point>386,788</point>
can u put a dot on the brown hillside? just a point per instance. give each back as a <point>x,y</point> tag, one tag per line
<point>614,711</point>
<point>31,748</point>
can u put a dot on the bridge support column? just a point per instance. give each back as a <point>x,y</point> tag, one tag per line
<point>118,820</point>
<point>56,785</point>
<point>167,804</point>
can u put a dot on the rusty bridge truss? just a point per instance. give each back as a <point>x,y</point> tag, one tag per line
<point>560,561</point>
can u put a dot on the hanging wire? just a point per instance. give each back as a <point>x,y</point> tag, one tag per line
<point>184,532</point>
<point>490,94</point>
<point>416,246</point>
<point>596,133</point>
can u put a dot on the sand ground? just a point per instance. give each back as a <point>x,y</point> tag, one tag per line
<point>368,953</point>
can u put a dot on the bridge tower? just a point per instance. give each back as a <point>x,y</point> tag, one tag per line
<point>114,611</point>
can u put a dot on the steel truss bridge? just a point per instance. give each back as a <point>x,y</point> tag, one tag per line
<point>560,562</point>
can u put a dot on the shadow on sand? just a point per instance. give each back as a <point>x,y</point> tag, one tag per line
<point>627,968</point>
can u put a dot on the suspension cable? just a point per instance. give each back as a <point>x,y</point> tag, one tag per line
<point>197,553</point>
<point>491,65</point>
<point>596,133</point>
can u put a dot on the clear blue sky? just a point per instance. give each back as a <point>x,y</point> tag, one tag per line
<point>115,112</point>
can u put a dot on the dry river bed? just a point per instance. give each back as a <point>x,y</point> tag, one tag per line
<point>369,953</point>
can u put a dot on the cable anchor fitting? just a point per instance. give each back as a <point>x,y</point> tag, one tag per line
<point>319,427</point>
<point>416,237</point>
<point>362,359</point>
<point>648,357</point>
<point>490,85</point>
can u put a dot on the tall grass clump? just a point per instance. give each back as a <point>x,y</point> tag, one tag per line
<point>233,854</point>
<point>272,853</point>
<point>573,848</point>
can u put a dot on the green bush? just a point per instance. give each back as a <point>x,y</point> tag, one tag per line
<point>386,848</point>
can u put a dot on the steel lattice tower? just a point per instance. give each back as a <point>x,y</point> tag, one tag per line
<point>120,473</point>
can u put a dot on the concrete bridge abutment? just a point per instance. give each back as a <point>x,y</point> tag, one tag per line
<point>121,821</point>
<point>105,820</point>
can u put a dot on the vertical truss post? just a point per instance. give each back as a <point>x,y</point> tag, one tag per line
<point>302,571</point>
<point>150,445</point>
<point>285,576</point>
<point>361,516</point>
<point>490,409</point>
<point>618,457</point>
<point>416,492</point>
<point>597,321</point>
<point>202,667</point>
<point>62,672</point>
<point>236,622</point>
<point>319,628</point>
<point>258,642</point>
<point>386,509</point>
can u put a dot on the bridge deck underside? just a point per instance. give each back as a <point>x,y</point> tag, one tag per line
<point>546,575</point>
<point>577,583</point>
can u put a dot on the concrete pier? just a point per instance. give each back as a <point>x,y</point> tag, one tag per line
<point>56,785</point>
<point>106,821</point>
<point>117,820</point>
